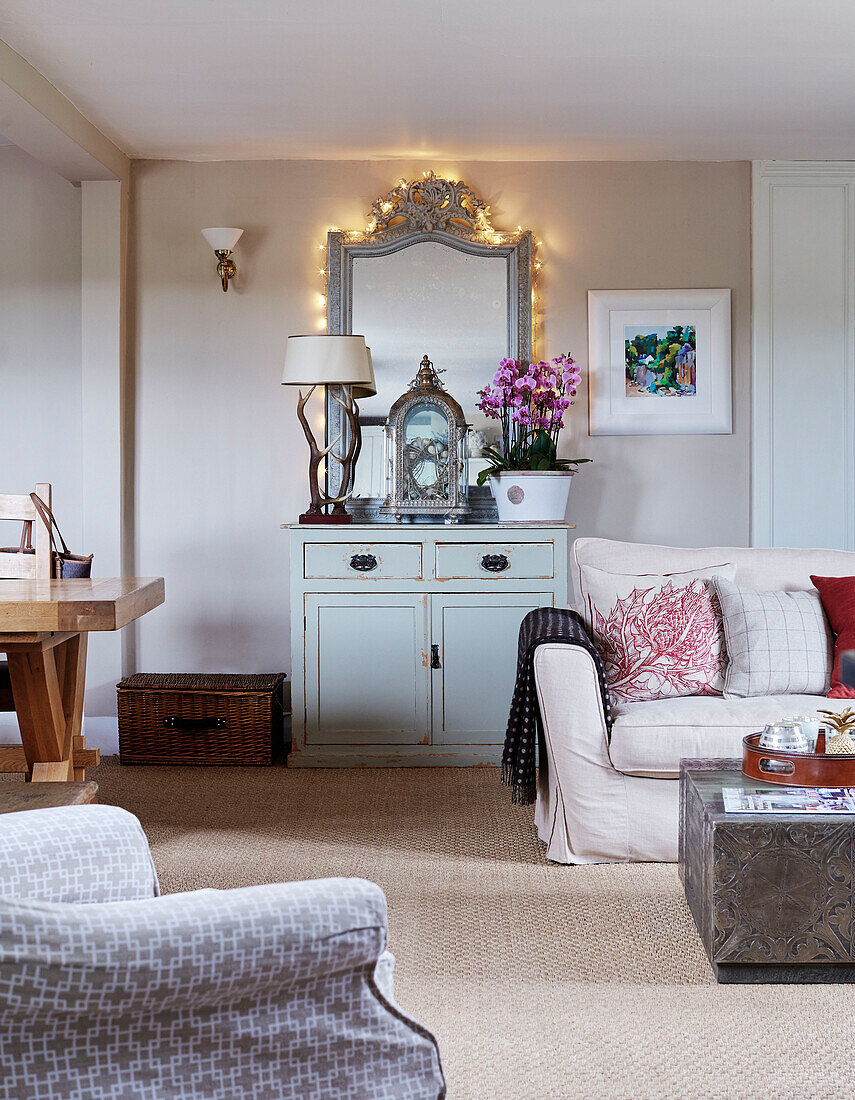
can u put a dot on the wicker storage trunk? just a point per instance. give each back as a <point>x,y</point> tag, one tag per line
<point>189,718</point>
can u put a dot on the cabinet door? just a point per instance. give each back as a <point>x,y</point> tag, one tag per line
<point>366,669</point>
<point>477,640</point>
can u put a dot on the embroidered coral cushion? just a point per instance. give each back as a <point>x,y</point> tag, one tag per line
<point>659,636</point>
<point>838,602</point>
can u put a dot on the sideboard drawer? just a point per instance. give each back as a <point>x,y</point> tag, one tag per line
<point>486,560</point>
<point>336,561</point>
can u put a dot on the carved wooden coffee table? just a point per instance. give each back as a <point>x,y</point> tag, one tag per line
<point>771,894</point>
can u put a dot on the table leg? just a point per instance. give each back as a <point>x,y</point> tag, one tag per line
<point>47,686</point>
<point>71,672</point>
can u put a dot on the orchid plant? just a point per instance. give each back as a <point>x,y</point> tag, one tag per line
<point>530,399</point>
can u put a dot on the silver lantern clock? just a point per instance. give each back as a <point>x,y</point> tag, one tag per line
<point>426,456</point>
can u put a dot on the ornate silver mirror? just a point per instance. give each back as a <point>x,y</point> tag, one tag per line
<point>429,272</point>
<point>426,452</point>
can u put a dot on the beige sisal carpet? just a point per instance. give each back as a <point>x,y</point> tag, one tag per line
<point>539,980</point>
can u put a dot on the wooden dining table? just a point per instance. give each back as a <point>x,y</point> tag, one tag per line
<point>44,626</point>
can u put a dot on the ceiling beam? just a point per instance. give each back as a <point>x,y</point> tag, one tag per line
<point>38,118</point>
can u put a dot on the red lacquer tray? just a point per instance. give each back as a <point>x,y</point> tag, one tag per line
<point>796,769</point>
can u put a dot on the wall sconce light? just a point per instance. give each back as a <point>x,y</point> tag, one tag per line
<point>223,240</point>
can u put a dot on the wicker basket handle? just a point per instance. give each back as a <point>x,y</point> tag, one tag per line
<point>175,723</point>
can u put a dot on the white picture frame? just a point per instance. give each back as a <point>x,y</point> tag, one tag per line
<point>665,392</point>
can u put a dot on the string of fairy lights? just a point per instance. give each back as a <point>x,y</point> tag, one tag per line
<point>483,232</point>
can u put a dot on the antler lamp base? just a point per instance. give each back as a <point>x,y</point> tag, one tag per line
<point>320,501</point>
<point>326,517</point>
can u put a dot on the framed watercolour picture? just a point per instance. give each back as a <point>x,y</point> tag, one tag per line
<point>659,362</point>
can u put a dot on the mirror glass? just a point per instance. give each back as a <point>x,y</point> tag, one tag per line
<point>425,454</point>
<point>431,299</point>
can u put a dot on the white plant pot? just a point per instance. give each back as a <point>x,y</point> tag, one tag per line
<point>529,496</point>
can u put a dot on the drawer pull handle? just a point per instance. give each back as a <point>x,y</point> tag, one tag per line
<point>495,563</point>
<point>434,657</point>
<point>363,563</point>
<point>174,723</point>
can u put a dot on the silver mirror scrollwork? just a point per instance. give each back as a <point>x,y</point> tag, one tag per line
<point>429,271</point>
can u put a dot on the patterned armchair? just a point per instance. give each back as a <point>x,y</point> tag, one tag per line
<point>108,990</point>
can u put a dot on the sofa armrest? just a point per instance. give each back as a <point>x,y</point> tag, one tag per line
<point>582,810</point>
<point>78,854</point>
<point>203,948</point>
<point>267,990</point>
<point>384,976</point>
<point>571,703</point>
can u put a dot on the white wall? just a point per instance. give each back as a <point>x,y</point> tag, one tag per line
<point>63,335</point>
<point>40,372</point>
<point>60,379</point>
<point>220,461</point>
<point>40,357</point>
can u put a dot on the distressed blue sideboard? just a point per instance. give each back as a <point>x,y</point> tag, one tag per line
<point>404,637</point>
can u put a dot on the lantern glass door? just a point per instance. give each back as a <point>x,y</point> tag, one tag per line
<point>426,455</point>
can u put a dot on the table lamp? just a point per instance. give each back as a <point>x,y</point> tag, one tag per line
<point>344,364</point>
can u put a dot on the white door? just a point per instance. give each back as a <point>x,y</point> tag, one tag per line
<point>803,444</point>
<point>366,674</point>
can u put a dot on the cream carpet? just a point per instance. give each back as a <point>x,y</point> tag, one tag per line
<point>539,980</point>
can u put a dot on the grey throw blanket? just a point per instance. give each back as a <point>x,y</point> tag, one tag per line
<point>545,624</point>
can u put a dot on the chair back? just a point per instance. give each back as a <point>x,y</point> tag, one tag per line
<point>14,566</point>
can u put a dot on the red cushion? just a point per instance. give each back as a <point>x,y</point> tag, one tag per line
<point>838,603</point>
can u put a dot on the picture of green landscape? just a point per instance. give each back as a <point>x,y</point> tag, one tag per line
<point>660,362</point>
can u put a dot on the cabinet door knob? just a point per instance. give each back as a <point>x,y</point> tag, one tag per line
<point>363,563</point>
<point>434,657</point>
<point>495,563</point>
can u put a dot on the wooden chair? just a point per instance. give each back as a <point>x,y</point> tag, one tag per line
<point>22,509</point>
<point>37,566</point>
<point>14,566</point>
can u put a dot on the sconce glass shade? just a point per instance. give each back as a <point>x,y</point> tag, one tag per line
<point>222,239</point>
<point>322,360</point>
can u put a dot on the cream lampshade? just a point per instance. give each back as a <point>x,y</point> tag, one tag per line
<point>321,360</point>
<point>343,362</point>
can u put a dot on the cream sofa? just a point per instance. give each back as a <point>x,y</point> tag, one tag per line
<point>607,801</point>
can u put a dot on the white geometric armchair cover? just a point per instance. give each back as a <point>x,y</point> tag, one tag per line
<point>108,991</point>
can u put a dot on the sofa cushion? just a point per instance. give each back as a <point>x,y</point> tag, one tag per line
<point>838,601</point>
<point>778,643</point>
<point>659,636</point>
<point>652,738</point>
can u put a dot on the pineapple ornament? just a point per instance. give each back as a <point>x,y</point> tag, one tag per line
<point>842,744</point>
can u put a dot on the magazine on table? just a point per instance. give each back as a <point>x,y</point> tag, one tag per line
<point>789,800</point>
